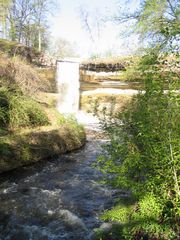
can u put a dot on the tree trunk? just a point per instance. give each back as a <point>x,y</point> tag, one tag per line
<point>39,40</point>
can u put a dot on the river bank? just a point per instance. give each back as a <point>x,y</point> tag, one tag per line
<point>31,145</point>
<point>56,199</point>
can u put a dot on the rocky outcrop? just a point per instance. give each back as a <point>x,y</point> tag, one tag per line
<point>103,67</point>
<point>30,54</point>
<point>16,49</point>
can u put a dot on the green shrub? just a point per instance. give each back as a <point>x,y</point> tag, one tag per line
<point>25,112</point>
<point>3,117</point>
<point>70,121</point>
<point>142,220</point>
<point>16,110</point>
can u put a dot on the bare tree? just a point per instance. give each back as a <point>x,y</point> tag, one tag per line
<point>62,48</point>
<point>41,7</point>
<point>25,21</point>
<point>152,19</point>
<point>4,5</point>
<point>93,24</point>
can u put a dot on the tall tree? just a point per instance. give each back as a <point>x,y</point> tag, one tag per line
<point>20,14</point>
<point>62,48</point>
<point>93,24</point>
<point>25,21</point>
<point>41,8</point>
<point>4,5</point>
<point>157,21</point>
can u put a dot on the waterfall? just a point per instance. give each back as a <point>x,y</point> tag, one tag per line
<point>67,77</point>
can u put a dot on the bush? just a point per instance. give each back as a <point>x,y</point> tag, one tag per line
<point>143,154</point>
<point>16,110</point>
<point>142,220</point>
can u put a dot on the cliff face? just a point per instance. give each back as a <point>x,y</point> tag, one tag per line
<point>109,69</point>
<point>113,64</point>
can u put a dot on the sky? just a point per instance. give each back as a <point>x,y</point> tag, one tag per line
<point>67,24</point>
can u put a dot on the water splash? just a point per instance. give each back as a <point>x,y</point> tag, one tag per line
<point>68,86</point>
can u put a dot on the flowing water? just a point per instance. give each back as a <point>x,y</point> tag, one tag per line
<point>58,199</point>
<point>67,78</point>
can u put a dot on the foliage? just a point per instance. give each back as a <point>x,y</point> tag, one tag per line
<point>160,18</point>
<point>17,111</point>
<point>70,121</point>
<point>156,21</point>
<point>25,21</point>
<point>143,154</point>
<point>61,48</point>
<point>140,221</point>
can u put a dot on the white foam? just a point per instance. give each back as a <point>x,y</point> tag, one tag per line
<point>110,91</point>
<point>71,219</point>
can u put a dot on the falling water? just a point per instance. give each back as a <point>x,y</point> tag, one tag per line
<point>68,86</point>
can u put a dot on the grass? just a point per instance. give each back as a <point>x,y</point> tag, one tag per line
<point>31,145</point>
<point>24,145</point>
<point>7,46</point>
<point>17,110</point>
<point>16,73</point>
<point>142,220</point>
<point>31,131</point>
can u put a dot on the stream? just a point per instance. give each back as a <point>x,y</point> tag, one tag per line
<point>56,199</point>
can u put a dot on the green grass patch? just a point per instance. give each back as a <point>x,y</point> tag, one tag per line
<point>141,220</point>
<point>17,110</point>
